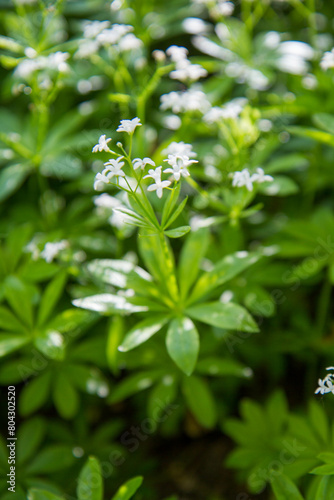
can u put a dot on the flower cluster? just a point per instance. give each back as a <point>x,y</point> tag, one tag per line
<point>217,8</point>
<point>327,60</point>
<point>231,110</point>
<point>53,62</point>
<point>184,70</point>
<point>99,34</point>
<point>50,251</point>
<point>179,159</point>
<point>244,178</point>
<point>189,100</point>
<point>290,57</point>
<point>326,385</point>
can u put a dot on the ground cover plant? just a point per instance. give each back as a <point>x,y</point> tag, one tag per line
<point>166,250</point>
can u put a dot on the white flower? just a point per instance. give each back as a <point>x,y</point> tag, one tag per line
<point>177,53</point>
<point>32,248</point>
<point>100,180</point>
<point>224,8</point>
<point>173,122</point>
<point>129,42</point>
<point>138,163</point>
<point>294,56</point>
<point>214,115</point>
<point>114,34</point>
<point>260,176</point>
<point>211,48</point>
<point>189,100</point>
<point>327,60</point>
<point>179,166</point>
<point>256,79</point>
<point>326,385</point>
<point>30,52</point>
<point>25,68</point>
<point>231,110</point>
<point>179,148</point>
<point>243,178</point>
<point>56,61</point>
<point>93,28</point>
<point>102,145</point>
<point>159,55</point>
<point>114,168</point>
<point>194,25</point>
<point>272,40</point>
<point>52,249</point>
<point>87,48</point>
<point>106,201</point>
<point>172,101</point>
<point>129,126</point>
<point>116,5</point>
<point>189,71</point>
<point>159,185</point>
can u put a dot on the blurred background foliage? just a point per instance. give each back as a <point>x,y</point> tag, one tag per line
<point>243,415</point>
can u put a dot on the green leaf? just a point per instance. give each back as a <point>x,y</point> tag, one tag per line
<point>319,422</point>
<point>230,316</point>
<point>284,488</point>
<point>192,253</point>
<point>324,121</point>
<point>127,490</point>
<point>29,438</point>
<point>8,321</point>
<point>325,489</point>
<point>312,133</point>
<point>327,457</point>
<point>11,342</point>
<point>90,483</point>
<point>37,494</point>
<point>159,260</point>
<point>34,395</point>
<point>226,269</point>
<point>133,384</point>
<point>51,296</point>
<point>286,163</point>
<point>51,344</point>
<point>11,178</point>
<point>62,167</point>
<point>142,332</point>
<point>38,270</point>
<point>65,397</point>
<point>115,336</point>
<point>323,470</point>
<point>182,343</point>
<point>161,396</point>
<point>177,232</point>
<point>20,296</point>
<point>222,367</point>
<point>280,186</point>
<point>72,320</point>
<point>51,459</point>
<point>116,272</point>
<point>259,301</point>
<point>108,303</point>
<point>200,401</point>
<point>15,243</point>
<point>170,204</point>
<point>176,213</point>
